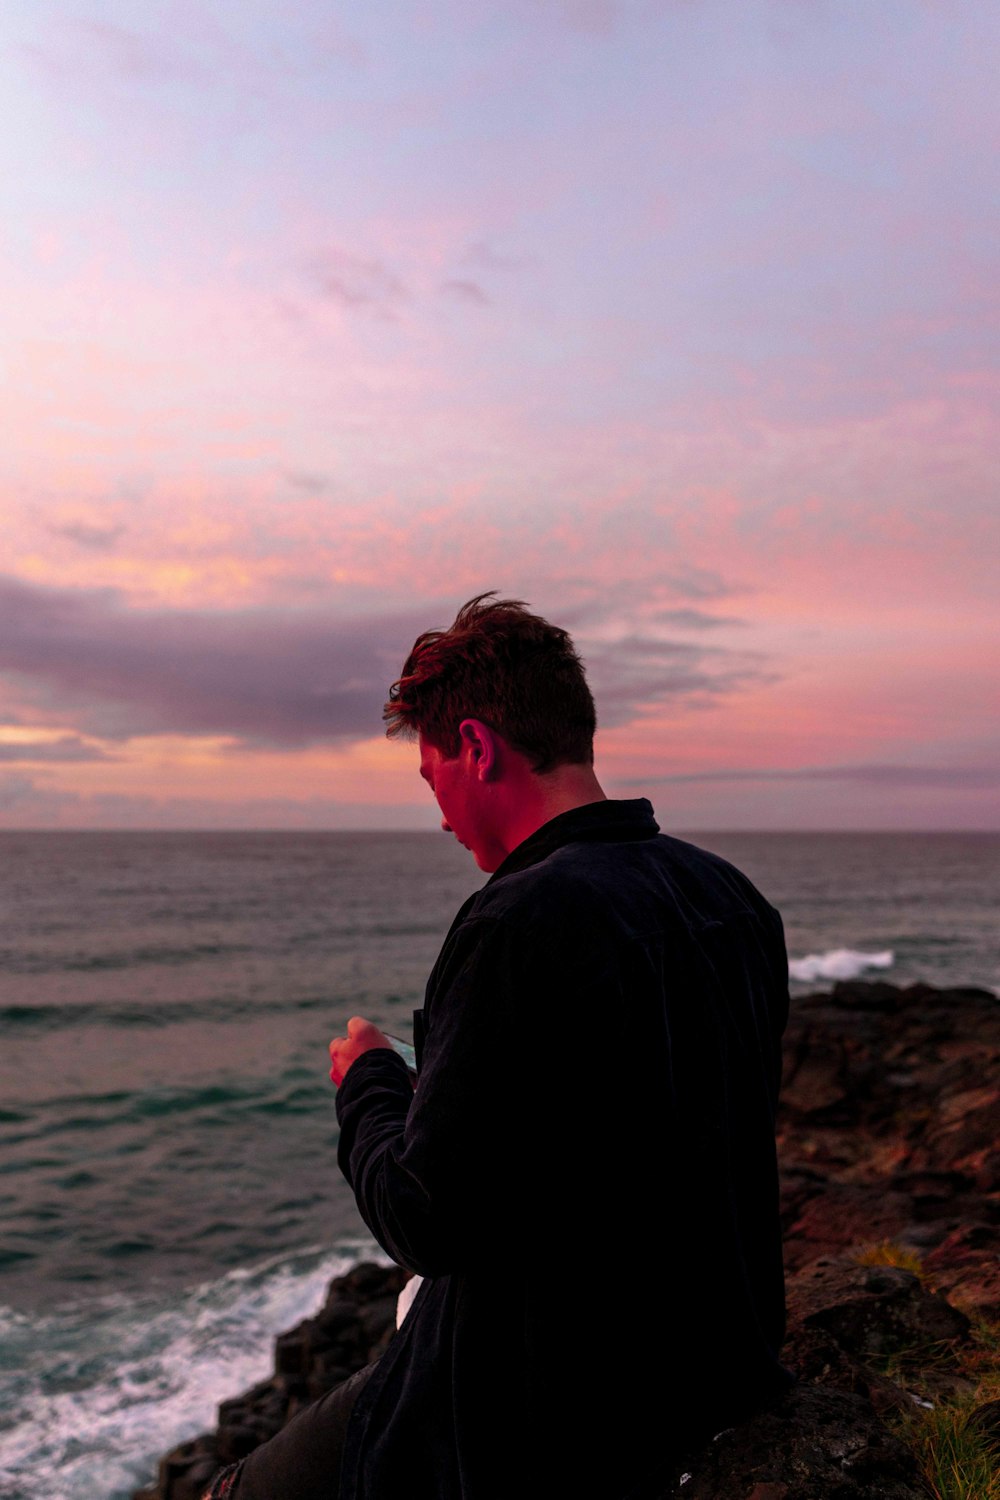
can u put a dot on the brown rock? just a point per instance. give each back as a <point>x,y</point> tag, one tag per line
<point>963,1136</point>
<point>985,1419</point>
<point>846,1214</point>
<point>886,1131</point>
<point>873,1311</point>
<point>966,1265</point>
<point>812,1445</point>
<point>817,1359</point>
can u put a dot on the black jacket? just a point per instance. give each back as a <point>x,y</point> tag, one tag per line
<point>585,1174</point>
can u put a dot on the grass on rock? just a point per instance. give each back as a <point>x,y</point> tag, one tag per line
<point>958,1459</point>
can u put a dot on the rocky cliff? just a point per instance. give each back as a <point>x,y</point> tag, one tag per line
<point>890,1160</point>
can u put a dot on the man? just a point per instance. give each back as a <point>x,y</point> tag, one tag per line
<point>585,1173</point>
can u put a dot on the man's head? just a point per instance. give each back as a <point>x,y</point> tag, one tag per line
<point>510,669</point>
<point>505,721</point>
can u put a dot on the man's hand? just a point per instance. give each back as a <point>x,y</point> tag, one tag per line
<point>361,1036</point>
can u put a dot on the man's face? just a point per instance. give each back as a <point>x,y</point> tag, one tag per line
<point>464,802</point>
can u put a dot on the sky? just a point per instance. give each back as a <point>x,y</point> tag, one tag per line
<point>675,318</point>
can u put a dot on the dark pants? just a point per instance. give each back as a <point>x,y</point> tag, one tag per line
<point>302,1462</point>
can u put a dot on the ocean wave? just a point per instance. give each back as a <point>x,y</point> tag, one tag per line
<point>57,1016</point>
<point>63,1120</point>
<point>102,1389</point>
<point>839,963</point>
<point>29,962</point>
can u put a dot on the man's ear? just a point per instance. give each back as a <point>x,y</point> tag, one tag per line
<point>482,744</point>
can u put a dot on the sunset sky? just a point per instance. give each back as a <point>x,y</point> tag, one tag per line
<point>675,318</point>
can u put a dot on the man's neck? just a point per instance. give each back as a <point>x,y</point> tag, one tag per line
<point>535,799</point>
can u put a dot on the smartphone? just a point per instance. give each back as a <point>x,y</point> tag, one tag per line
<point>406,1051</point>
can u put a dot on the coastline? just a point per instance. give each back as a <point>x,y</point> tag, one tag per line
<point>890,1195</point>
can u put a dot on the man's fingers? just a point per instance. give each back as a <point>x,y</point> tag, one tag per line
<point>361,1036</point>
<point>354,1025</point>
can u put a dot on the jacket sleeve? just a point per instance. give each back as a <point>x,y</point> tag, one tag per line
<point>433,1169</point>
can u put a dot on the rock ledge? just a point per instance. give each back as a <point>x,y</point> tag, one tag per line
<point>887,1132</point>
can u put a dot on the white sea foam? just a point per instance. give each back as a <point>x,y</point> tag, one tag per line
<point>839,963</point>
<point>94,1394</point>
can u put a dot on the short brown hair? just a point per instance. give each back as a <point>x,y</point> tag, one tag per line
<point>507,667</point>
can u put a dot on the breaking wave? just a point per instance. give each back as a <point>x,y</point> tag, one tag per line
<point>839,963</point>
<point>91,1395</point>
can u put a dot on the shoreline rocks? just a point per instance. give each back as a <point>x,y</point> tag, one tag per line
<point>887,1131</point>
<point>352,1328</point>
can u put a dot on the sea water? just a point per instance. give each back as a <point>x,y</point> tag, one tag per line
<point>169,1196</point>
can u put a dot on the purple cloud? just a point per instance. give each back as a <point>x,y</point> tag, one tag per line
<point>592,17</point>
<point>484,257</point>
<point>466,291</point>
<point>359,283</point>
<point>20,789</point>
<point>114,50</point>
<point>306,480</point>
<point>693,619</point>
<point>288,677</point>
<point>96,538</point>
<point>27,804</point>
<point>701,583</point>
<point>280,678</point>
<point>636,672</point>
<point>69,748</point>
<point>947,778</point>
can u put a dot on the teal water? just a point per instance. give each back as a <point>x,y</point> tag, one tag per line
<point>169,1195</point>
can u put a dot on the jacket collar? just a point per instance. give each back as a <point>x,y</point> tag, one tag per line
<point>593,823</point>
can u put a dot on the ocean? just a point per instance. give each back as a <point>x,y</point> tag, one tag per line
<point>169,1195</point>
